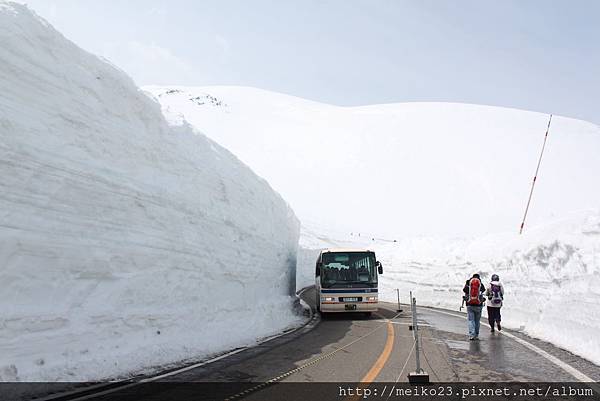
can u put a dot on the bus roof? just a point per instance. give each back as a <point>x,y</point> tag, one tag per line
<point>341,250</point>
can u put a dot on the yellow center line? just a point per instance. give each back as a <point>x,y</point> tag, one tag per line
<point>380,362</point>
<point>385,354</point>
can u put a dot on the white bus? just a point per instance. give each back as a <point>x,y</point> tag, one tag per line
<point>346,281</point>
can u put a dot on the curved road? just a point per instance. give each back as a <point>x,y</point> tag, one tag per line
<point>353,348</point>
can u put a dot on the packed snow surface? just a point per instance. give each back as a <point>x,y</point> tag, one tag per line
<point>438,190</point>
<point>125,242</point>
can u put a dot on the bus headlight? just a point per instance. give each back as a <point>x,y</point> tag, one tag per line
<point>327,299</point>
<point>371,299</point>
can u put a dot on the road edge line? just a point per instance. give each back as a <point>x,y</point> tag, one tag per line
<point>580,376</point>
<point>127,383</point>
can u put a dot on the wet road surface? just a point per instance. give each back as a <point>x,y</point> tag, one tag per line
<point>355,348</point>
<point>496,356</point>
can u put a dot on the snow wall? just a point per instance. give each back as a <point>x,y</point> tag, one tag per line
<point>125,242</point>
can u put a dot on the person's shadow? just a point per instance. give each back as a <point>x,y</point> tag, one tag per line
<point>496,351</point>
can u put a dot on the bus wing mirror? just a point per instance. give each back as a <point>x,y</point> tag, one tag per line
<point>379,268</point>
<point>318,270</point>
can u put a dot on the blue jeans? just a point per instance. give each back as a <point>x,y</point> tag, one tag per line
<point>474,315</point>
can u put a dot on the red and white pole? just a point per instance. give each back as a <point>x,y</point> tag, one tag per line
<point>537,169</point>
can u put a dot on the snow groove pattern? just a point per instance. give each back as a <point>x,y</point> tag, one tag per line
<point>125,242</point>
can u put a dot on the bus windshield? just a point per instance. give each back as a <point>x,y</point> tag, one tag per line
<point>348,268</point>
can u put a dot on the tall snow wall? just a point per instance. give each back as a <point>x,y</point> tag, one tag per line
<point>125,243</point>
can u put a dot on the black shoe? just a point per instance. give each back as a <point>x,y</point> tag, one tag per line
<point>499,327</point>
<point>492,330</point>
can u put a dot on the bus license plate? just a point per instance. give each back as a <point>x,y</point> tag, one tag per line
<point>351,307</point>
<point>351,299</point>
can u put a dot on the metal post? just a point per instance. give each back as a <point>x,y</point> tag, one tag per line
<point>398,292</point>
<point>416,332</point>
<point>419,376</point>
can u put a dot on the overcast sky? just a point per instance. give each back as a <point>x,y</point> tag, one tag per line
<point>535,55</point>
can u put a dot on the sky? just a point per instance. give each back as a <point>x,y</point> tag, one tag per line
<point>535,55</point>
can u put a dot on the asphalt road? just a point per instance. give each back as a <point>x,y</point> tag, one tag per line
<point>351,348</point>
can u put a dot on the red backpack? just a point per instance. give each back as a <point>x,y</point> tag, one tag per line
<point>474,291</point>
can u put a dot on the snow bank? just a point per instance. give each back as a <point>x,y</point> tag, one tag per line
<point>125,242</point>
<point>551,274</point>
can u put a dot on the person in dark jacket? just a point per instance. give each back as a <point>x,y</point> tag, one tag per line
<point>495,295</point>
<point>474,299</point>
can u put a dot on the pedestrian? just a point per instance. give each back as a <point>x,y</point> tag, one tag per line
<point>495,296</point>
<point>475,299</point>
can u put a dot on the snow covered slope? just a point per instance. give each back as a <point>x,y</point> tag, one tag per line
<point>400,169</point>
<point>448,182</point>
<point>125,242</point>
